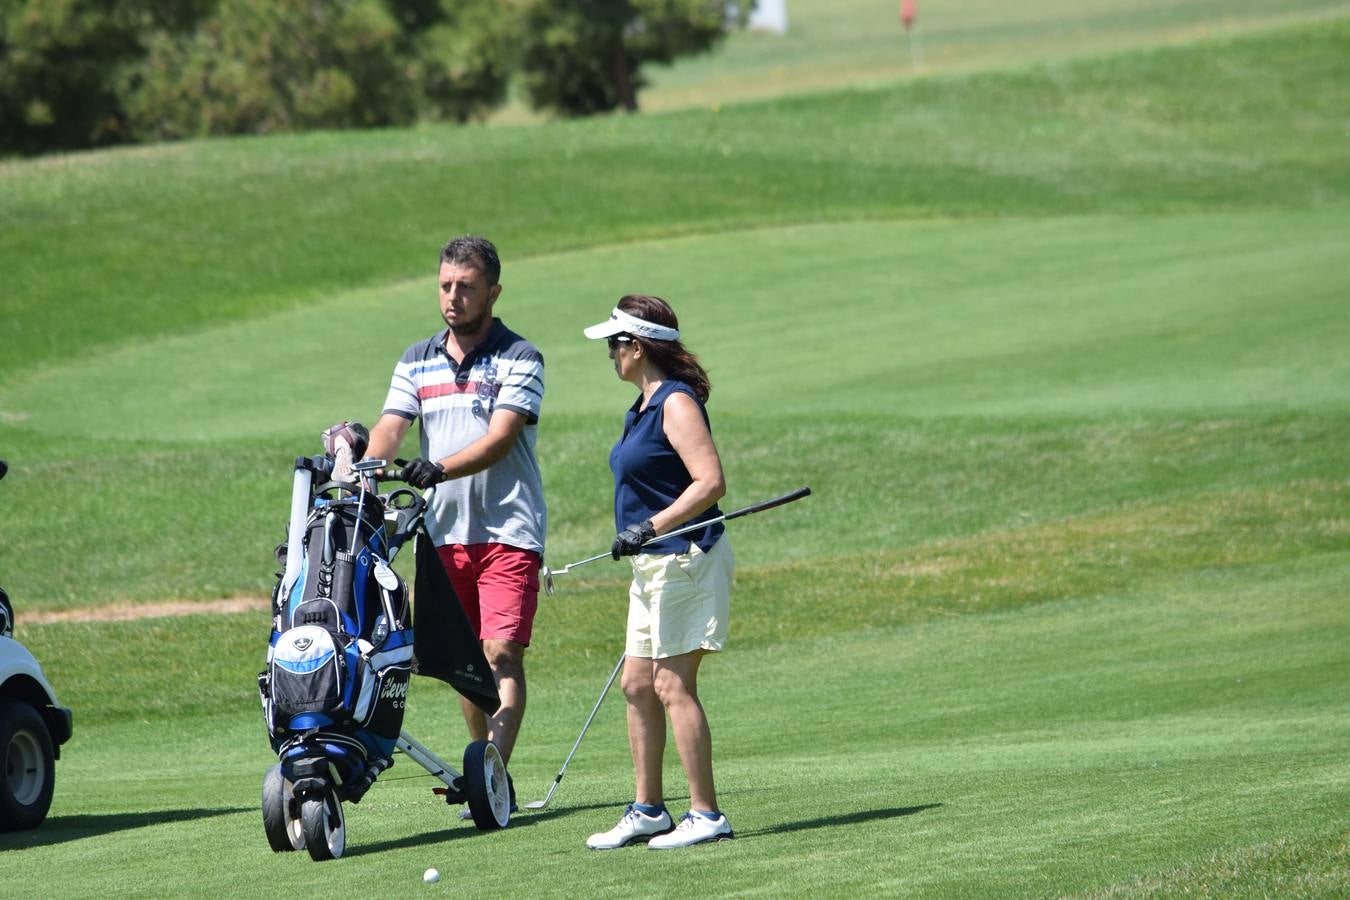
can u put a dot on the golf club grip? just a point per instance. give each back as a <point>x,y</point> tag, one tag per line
<point>744,511</point>
<point>392,474</point>
<point>798,494</point>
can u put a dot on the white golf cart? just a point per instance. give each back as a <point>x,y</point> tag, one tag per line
<point>33,726</point>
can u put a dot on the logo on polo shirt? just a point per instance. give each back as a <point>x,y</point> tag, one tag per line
<point>488,388</point>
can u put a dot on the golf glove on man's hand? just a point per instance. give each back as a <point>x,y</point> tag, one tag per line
<point>629,541</point>
<point>423,473</point>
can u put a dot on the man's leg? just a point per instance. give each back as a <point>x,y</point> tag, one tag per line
<point>507,660</point>
<point>474,718</point>
<point>508,597</point>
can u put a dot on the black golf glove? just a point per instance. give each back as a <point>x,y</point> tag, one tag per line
<point>629,541</point>
<point>423,473</point>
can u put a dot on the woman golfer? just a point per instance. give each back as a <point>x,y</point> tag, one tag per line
<point>666,474</point>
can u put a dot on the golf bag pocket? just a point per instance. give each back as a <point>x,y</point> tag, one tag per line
<point>306,672</point>
<point>321,612</point>
<point>383,693</point>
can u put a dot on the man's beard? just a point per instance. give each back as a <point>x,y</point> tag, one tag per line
<point>468,329</point>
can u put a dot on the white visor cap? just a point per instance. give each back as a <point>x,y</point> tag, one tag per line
<point>621,322</point>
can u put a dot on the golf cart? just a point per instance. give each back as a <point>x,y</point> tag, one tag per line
<point>33,726</point>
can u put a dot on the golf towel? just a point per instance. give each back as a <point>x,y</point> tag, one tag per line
<point>443,641</point>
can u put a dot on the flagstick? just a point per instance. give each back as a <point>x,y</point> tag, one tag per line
<point>915,49</point>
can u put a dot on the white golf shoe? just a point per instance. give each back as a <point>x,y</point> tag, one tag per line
<point>694,829</point>
<point>634,826</point>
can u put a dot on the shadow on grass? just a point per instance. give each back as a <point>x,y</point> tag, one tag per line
<point>457,829</point>
<point>528,818</point>
<point>856,818</point>
<point>61,829</point>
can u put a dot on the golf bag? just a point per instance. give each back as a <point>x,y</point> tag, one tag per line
<point>341,649</point>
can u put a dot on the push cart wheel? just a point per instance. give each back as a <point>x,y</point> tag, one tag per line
<point>485,783</point>
<point>281,813</point>
<point>324,826</point>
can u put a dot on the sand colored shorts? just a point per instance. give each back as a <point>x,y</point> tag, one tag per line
<point>679,602</point>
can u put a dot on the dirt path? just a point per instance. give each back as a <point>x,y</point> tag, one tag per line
<point>124,612</point>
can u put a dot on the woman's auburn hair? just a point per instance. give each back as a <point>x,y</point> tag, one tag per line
<point>671,357</point>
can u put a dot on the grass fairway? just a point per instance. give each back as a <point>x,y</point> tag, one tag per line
<point>1060,351</point>
<point>852,43</point>
<point>1186,733</point>
<point>1023,338</point>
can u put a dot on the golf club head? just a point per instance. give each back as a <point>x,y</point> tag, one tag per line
<point>540,804</point>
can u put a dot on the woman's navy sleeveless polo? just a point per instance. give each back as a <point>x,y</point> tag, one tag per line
<point>649,474</point>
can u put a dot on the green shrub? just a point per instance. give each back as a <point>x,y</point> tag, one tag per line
<point>57,65</point>
<point>273,65</point>
<point>587,57</point>
<point>459,62</point>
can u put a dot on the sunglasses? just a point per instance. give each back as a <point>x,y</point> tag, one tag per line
<point>616,339</point>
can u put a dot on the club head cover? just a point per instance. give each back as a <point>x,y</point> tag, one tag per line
<point>346,442</point>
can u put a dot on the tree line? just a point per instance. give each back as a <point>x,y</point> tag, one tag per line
<point>86,73</point>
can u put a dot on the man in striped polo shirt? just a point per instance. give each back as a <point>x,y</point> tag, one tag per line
<point>477,387</point>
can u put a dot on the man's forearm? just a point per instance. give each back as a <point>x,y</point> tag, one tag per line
<point>503,430</point>
<point>481,454</point>
<point>385,439</point>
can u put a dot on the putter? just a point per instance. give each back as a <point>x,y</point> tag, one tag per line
<point>727,517</point>
<point>540,804</point>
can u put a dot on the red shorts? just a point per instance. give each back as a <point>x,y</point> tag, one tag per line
<point>497,585</point>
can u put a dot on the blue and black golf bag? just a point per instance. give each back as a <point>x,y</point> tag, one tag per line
<point>341,650</point>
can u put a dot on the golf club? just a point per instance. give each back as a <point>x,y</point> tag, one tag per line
<point>540,804</point>
<point>727,517</point>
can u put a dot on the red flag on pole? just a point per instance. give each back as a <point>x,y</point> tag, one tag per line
<point>909,9</point>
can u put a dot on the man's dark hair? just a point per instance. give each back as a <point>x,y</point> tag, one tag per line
<point>472,250</point>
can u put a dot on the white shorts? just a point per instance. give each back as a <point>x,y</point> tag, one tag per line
<point>679,602</point>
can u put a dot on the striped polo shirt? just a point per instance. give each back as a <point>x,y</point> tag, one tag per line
<point>503,504</point>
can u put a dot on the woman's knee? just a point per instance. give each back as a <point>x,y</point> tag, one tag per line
<point>637,682</point>
<point>673,686</point>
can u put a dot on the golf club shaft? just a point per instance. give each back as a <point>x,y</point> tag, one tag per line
<point>589,719</point>
<point>726,517</point>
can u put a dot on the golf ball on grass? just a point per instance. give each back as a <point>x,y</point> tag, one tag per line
<point>431,876</point>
